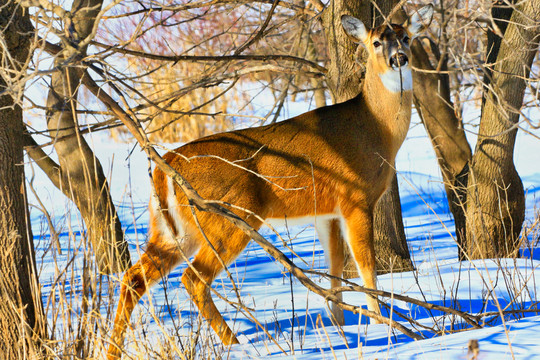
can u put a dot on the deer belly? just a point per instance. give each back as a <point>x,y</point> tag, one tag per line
<point>303,220</point>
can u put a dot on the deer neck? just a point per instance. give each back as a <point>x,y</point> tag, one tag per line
<point>389,106</point>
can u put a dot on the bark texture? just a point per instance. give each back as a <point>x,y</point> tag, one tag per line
<point>344,79</point>
<point>495,198</point>
<point>316,83</point>
<point>79,173</point>
<point>21,316</point>
<point>433,103</point>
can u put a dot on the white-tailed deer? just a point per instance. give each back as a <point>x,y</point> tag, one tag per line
<point>328,166</point>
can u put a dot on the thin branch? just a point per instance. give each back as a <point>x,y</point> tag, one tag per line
<point>260,33</point>
<point>470,319</point>
<point>44,161</point>
<point>206,4</point>
<point>214,58</point>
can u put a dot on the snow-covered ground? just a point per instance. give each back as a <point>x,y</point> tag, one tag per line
<point>297,319</point>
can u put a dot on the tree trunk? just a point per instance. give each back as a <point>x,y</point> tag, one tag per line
<point>21,314</point>
<point>495,198</point>
<point>344,80</point>
<point>433,103</point>
<point>81,175</point>
<point>501,12</point>
<point>390,242</point>
<point>316,83</point>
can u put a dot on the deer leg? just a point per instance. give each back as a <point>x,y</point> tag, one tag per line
<point>198,278</point>
<point>153,265</point>
<point>359,230</point>
<point>332,241</point>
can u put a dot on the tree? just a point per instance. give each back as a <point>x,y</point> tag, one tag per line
<point>79,174</point>
<point>22,323</point>
<point>489,208</point>
<point>495,197</point>
<point>433,102</point>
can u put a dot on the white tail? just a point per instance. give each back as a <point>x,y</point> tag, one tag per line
<point>340,155</point>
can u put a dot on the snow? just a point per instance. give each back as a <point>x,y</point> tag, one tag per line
<point>307,332</point>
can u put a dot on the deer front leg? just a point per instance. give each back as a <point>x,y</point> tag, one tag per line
<point>359,230</point>
<point>332,241</point>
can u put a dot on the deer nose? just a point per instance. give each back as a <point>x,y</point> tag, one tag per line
<point>398,60</point>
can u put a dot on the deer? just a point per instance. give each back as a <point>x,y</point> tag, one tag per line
<point>328,166</point>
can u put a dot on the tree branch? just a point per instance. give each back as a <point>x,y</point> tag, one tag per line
<point>216,58</point>
<point>260,33</point>
<point>44,161</point>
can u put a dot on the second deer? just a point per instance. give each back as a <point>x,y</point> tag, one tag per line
<point>328,166</point>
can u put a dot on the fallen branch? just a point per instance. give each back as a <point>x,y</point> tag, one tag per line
<point>470,319</point>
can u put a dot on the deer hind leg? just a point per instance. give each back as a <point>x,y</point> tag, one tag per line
<point>332,241</point>
<point>359,229</point>
<point>228,242</point>
<point>159,259</point>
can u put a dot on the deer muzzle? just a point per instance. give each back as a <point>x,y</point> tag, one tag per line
<point>399,60</point>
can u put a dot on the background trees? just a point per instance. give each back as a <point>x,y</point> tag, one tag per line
<point>495,198</point>
<point>184,69</point>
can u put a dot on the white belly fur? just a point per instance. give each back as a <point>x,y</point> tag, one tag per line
<point>322,226</point>
<point>304,220</point>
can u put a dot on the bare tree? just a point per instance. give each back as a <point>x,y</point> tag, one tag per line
<point>493,218</point>
<point>495,197</point>
<point>21,315</point>
<point>217,50</point>
<point>79,173</point>
<point>434,104</point>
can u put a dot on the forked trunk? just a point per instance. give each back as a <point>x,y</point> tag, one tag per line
<point>79,173</point>
<point>495,198</point>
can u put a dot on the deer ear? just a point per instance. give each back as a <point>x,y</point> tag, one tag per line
<point>420,20</point>
<point>354,28</point>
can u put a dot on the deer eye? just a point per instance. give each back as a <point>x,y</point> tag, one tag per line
<point>406,40</point>
<point>376,44</point>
